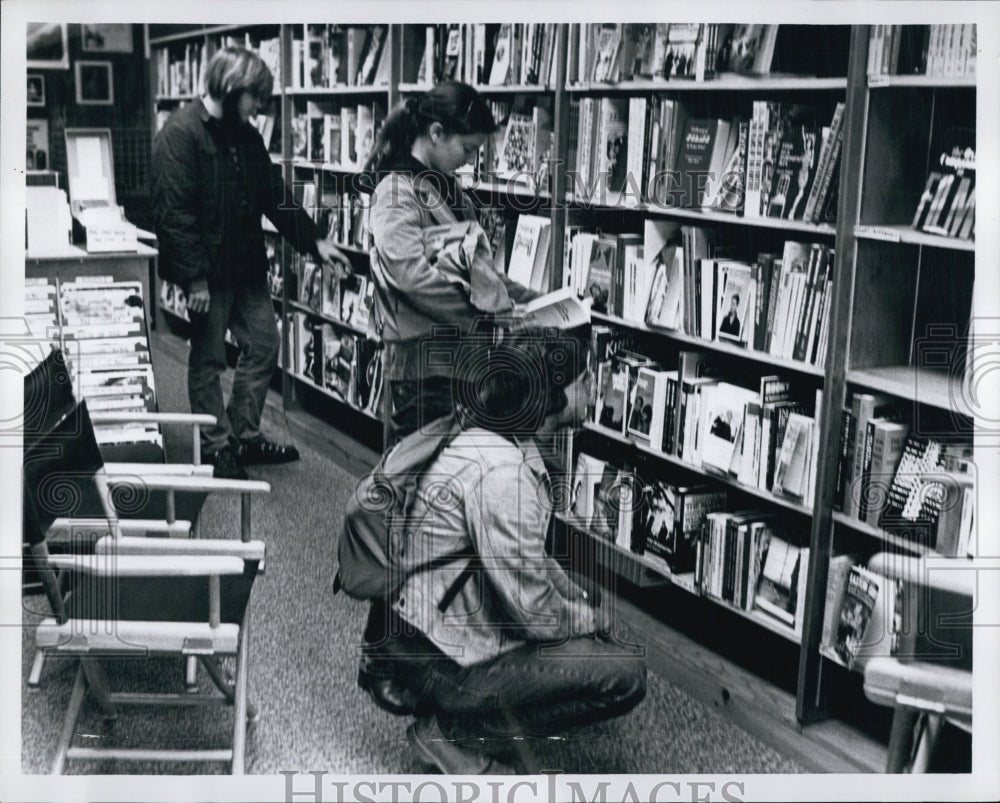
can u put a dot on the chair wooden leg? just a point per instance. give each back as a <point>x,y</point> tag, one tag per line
<point>218,676</point>
<point>191,674</point>
<point>35,676</point>
<point>925,744</point>
<point>898,751</point>
<point>69,723</point>
<point>240,701</point>
<point>97,681</point>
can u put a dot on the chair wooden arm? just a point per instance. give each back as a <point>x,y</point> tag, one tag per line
<point>194,420</point>
<point>152,418</point>
<point>116,471</point>
<point>130,545</point>
<point>62,528</point>
<point>954,575</point>
<point>200,484</point>
<point>150,565</point>
<point>921,686</point>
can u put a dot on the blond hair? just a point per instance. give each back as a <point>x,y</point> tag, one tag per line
<point>236,69</point>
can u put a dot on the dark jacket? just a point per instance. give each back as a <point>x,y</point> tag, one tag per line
<point>188,195</point>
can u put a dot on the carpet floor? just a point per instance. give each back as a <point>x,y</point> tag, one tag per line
<point>304,656</point>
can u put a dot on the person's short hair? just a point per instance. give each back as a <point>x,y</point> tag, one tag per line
<point>514,385</point>
<point>236,69</point>
<point>735,297</point>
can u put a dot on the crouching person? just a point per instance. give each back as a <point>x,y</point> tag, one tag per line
<point>504,644</point>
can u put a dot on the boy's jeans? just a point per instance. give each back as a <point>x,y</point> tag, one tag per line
<point>249,314</point>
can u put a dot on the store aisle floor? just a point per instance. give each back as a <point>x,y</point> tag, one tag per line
<point>303,659</point>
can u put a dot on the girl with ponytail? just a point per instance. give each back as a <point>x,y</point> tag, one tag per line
<point>422,142</point>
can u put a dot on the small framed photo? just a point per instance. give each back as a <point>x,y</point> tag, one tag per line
<point>48,46</point>
<point>36,89</point>
<point>94,85</point>
<point>101,37</point>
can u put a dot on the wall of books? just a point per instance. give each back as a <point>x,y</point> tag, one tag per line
<point>772,265</point>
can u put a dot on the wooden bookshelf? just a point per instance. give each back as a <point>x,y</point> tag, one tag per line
<point>712,345</point>
<point>889,280</point>
<point>725,82</point>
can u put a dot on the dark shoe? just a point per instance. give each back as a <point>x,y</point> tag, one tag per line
<point>436,751</point>
<point>261,450</point>
<point>387,694</point>
<point>226,465</point>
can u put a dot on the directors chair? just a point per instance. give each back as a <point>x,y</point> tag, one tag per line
<point>133,597</point>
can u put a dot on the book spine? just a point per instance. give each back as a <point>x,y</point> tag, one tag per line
<point>866,467</point>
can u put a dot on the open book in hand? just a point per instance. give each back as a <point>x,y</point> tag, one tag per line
<point>560,309</point>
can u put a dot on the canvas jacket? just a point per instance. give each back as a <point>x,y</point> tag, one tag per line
<point>188,194</point>
<point>412,296</point>
<point>493,493</point>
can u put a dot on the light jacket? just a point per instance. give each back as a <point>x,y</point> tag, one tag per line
<point>415,300</point>
<point>494,494</point>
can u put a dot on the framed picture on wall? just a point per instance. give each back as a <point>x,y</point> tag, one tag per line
<point>102,37</point>
<point>48,47</point>
<point>37,155</point>
<point>36,89</point>
<point>94,83</point>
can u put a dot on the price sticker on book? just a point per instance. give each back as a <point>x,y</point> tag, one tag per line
<point>885,233</point>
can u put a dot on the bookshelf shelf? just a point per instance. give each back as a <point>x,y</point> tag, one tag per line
<point>336,91</point>
<point>921,385</point>
<point>617,437</point>
<point>879,534</point>
<point>639,570</point>
<point>644,572</point>
<point>329,167</point>
<point>335,396</point>
<point>513,89</point>
<point>175,98</point>
<point>726,82</point>
<point>930,81</point>
<point>910,236</point>
<point>300,307</point>
<point>766,496</point>
<point>713,345</point>
<point>505,187</point>
<point>195,33</point>
<point>813,229</point>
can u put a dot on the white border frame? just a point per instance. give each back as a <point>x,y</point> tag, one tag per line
<point>82,101</point>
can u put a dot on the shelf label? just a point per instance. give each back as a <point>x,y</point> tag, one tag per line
<point>877,80</point>
<point>886,233</point>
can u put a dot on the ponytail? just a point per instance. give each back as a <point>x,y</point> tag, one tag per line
<point>456,106</point>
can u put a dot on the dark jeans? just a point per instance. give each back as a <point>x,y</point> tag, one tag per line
<point>249,314</point>
<point>535,690</point>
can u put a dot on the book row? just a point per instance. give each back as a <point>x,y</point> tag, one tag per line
<point>325,56</point>
<point>670,278</point>
<point>764,438</point>
<point>613,52</point>
<point>781,162</point>
<point>504,54</point>
<point>179,68</point>
<point>947,206</point>
<point>892,477</point>
<point>345,365</point>
<point>747,559</point>
<point>334,134</point>
<point>940,50</point>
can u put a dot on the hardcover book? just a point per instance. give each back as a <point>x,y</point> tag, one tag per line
<point>700,159</point>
